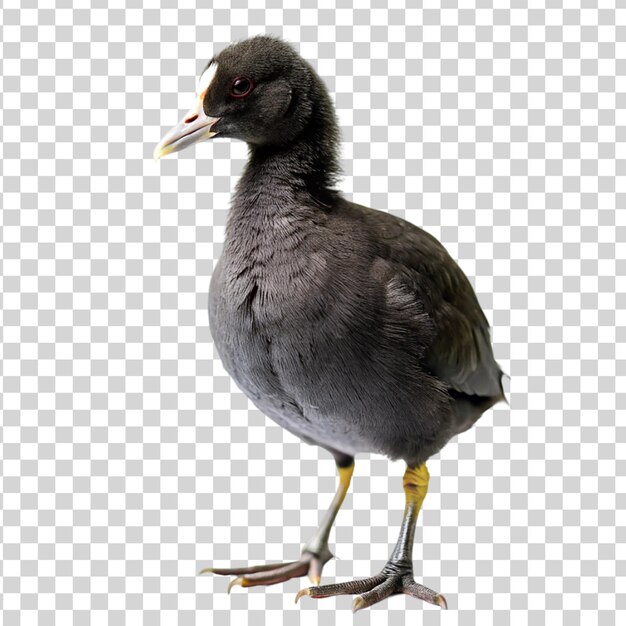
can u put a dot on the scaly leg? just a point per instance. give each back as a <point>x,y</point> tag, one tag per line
<point>397,575</point>
<point>315,553</point>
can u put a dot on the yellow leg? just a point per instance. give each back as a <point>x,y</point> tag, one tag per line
<point>415,484</point>
<point>397,575</point>
<point>318,544</point>
<point>315,553</point>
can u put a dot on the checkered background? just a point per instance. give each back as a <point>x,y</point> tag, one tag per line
<point>130,460</point>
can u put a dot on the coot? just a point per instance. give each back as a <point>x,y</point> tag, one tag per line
<point>350,327</point>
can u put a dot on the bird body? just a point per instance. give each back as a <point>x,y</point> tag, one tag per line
<point>350,327</point>
<point>299,330</point>
<point>325,326</point>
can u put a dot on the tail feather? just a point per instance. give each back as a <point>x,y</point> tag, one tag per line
<point>469,407</point>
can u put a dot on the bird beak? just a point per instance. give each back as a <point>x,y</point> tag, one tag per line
<point>194,127</point>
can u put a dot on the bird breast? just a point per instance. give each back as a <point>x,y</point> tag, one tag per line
<point>281,290</point>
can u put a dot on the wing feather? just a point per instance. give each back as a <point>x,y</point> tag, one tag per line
<point>460,354</point>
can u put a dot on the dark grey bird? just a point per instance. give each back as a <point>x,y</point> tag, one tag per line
<point>350,327</point>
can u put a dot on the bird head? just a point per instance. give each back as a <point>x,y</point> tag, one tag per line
<point>258,90</point>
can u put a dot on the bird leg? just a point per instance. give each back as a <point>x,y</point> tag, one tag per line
<point>397,575</point>
<point>315,553</point>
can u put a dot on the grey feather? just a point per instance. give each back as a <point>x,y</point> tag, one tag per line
<point>351,328</point>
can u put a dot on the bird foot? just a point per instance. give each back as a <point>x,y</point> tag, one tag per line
<point>272,573</point>
<point>391,581</point>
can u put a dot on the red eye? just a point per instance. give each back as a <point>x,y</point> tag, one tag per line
<point>241,87</point>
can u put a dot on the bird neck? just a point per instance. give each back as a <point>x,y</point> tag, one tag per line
<point>281,191</point>
<point>294,177</point>
<point>286,187</point>
<point>306,166</point>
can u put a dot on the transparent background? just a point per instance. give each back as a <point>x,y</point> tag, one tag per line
<point>130,460</point>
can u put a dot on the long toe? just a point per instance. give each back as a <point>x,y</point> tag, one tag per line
<point>273,573</point>
<point>273,576</point>
<point>387,588</point>
<point>411,588</point>
<point>340,589</point>
<point>375,589</point>
<point>239,571</point>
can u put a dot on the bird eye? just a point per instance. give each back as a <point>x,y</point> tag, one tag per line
<point>241,87</point>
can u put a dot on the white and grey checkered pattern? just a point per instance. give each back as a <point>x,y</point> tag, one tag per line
<point>130,460</point>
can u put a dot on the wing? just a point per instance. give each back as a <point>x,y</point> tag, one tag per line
<point>460,354</point>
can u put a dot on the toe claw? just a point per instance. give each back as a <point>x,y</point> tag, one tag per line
<point>237,581</point>
<point>441,601</point>
<point>315,579</point>
<point>206,570</point>
<point>303,592</point>
<point>358,604</point>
